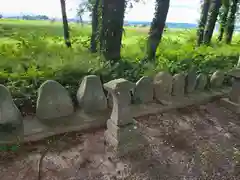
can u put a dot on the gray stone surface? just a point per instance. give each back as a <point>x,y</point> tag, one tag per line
<point>90,94</point>
<point>217,79</point>
<point>121,133</point>
<point>120,90</point>
<point>53,101</point>
<point>118,85</point>
<point>11,121</point>
<point>143,92</point>
<point>109,100</point>
<point>125,133</point>
<point>34,130</point>
<point>234,95</point>
<point>234,73</point>
<point>162,85</point>
<point>201,83</point>
<point>178,85</point>
<point>238,64</point>
<point>122,148</point>
<point>191,81</point>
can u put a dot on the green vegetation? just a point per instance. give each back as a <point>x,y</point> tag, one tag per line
<point>13,148</point>
<point>34,51</point>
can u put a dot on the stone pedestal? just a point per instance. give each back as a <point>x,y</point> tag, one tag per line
<point>122,133</point>
<point>233,102</point>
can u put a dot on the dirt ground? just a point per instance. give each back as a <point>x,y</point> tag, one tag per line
<point>194,143</point>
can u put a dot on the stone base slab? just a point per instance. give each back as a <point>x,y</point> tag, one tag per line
<point>35,130</point>
<point>230,105</point>
<point>124,146</point>
<point>127,132</point>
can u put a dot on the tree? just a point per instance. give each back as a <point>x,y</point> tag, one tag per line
<point>112,28</point>
<point>95,26</point>
<point>96,8</point>
<point>202,21</point>
<point>83,7</point>
<point>211,21</point>
<point>1,16</point>
<point>91,6</point>
<point>223,18</point>
<point>80,12</point>
<point>99,18</point>
<point>231,21</point>
<point>65,24</point>
<point>157,27</point>
<point>35,17</point>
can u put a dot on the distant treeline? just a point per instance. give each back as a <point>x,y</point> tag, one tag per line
<point>28,17</point>
<point>35,17</point>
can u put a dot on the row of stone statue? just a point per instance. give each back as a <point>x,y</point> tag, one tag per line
<point>54,101</point>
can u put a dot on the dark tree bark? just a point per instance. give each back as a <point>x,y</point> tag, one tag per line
<point>112,28</point>
<point>157,27</point>
<point>211,21</point>
<point>81,20</point>
<point>223,20</point>
<point>95,26</point>
<point>202,21</point>
<point>231,21</point>
<point>65,24</point>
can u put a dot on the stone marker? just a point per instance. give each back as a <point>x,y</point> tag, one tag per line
<point>143,92</point>
<point>238,64</point>
<point>121,134</point>
<point>11,121</point>
<point>110,99</point>
<point>217,79</point>
<point>201,83</point>
<point>119,90</point>
<point>191,81</point>
<point>53,101</point>
<point>235,73</point>
<point>90,94</point>
<point>178,85</point>
<point>234,95</point>
<point>233,102</point>
<point>163,86</point>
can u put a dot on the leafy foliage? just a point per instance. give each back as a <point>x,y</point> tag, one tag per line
<point>33,51</point>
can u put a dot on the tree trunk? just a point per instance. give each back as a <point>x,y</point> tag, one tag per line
<point>211,21</point>
<point>231,21</point>
<point>81,20</point>
<point>65,24</point>
<point>202,21</point>
<point>112,27</point>
<point>101,28</point>
<point>223,20</point>
<point>157,27</point>
<point>95,25</point>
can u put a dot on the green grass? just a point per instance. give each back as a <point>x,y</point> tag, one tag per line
<point>33,51</point>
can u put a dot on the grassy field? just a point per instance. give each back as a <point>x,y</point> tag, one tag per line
<point>33,51</point>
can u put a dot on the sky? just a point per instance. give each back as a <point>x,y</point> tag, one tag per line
<point>186,11</point>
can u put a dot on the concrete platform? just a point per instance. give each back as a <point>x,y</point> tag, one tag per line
<point>35,130</point>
